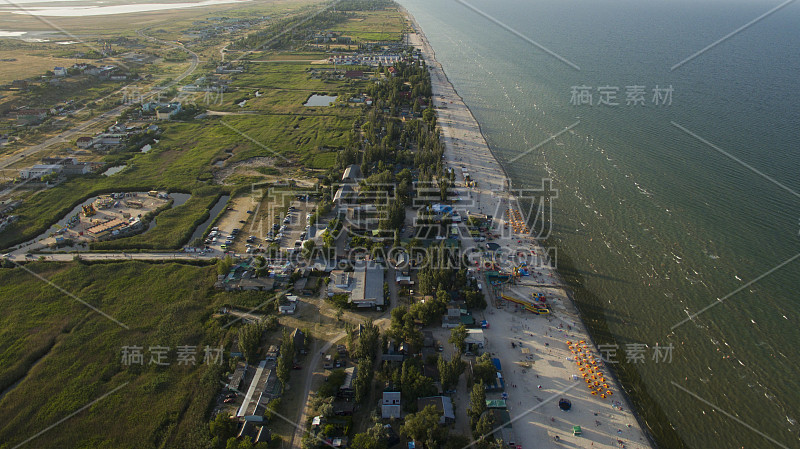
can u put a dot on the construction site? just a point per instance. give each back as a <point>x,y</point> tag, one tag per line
<point>105,217</point>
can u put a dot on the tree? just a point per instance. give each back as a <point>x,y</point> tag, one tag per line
<point>363,381</point>
<point>484,426</point>
<point>477,403</point>
<point>286,358</point>
<point>308,249</point>
<point>335,380</point>
<point>484,370</point>
<point>424,426</point>
<point>376,437</point>
<point>414,385</point>
<point>271,408</point>
<point>222,427</point>
<point>458,337</point>
<point>350,342</point>
<point>250,340</point>
<point>224,265</point>
<point>474,299</point>
<point>449,372</point>
<point>456,441</point>
<point>368,341</point>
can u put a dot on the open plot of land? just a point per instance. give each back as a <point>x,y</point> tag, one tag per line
<point>79,354</point>
<point>373,26</point>
<point>283,87</point>
<point>26,66</point>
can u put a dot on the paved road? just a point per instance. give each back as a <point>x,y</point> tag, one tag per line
<point>20,255</point>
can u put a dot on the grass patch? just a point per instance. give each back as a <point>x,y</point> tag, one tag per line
<point>163,304</point>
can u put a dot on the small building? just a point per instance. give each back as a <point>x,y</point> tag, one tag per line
<point>59,71</point>
<point>507,437</point>
<point>40,170</point>
<point>443,405</point>
<point>343,408</point>
<point>496,403</point>
<point>166,112</point>
<point>347,390</point>
<point>475,339</point>
<point>78,169</point>
<point>368,288</point>
<point>55,160</point>
<point>85,142</point>
<point>237,377</point>
<point>287,309</point>
<point>106,227</point>
<point>272,354</point>
<point>288,305</point>
<point>352,173</point>
<point>390,405</point>
<point>344,194</point>
<point>299,339</point>
<point>300,285</point>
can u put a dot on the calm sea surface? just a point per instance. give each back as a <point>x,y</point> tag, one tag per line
<point>660,223</point>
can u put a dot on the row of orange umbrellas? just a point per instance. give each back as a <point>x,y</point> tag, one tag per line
<point>590,370</point>
<point>516,221</point>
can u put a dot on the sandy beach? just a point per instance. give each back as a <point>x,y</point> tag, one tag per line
<point>538,366</point>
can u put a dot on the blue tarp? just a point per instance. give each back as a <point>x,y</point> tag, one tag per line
<point>496,362</point>
<point>442,209</point>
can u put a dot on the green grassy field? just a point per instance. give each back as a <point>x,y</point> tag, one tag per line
<point>283,88</point>
<point>386,25</point>
<point>80,350</point>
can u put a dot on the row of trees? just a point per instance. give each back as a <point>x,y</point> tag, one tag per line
<point>286,358</point>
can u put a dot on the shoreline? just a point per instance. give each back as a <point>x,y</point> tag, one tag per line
<point>569,307</point>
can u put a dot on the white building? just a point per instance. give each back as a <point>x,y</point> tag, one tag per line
<point>39,170</point>
<point>390,405</point>
<point>368,287</point>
